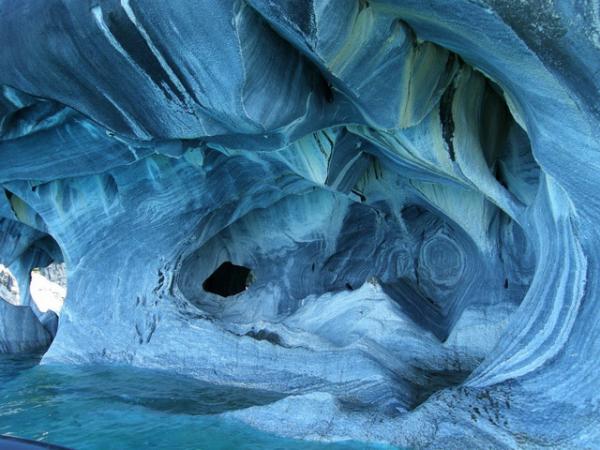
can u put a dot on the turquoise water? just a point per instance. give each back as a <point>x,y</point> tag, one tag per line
<point>104,407</point>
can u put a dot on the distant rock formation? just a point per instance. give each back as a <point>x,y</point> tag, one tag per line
<point>387,210</point>
<point>9,288</point>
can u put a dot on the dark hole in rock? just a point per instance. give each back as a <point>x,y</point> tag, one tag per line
<point>447,120</point>
<point>266,335</point>
<point>499,177</point>
<point>229,279</point>
<point>327,89</point>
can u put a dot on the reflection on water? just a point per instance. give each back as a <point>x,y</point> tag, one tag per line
<point>100,407</point>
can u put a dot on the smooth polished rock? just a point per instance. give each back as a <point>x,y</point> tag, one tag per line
<point>20,330</point>
<point>411,185</point>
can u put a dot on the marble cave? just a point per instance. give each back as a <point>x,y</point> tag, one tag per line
<point>386,211</point>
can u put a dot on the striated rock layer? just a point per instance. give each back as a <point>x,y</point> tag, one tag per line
<point>385,210</point>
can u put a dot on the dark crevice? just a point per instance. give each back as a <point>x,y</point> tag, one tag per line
<point>326,89</point>
<point>266,335</point>
<point>135,45</point>
<point>229,279</point>
<point>9,196</point>
<point>447,120</point>
<point>499,177</point>
<point>111,189</point>
<point>360,195</point>
<point>363,4</point>
<point>437,381</point>
<point>452,58</point>
<point>173,65</point>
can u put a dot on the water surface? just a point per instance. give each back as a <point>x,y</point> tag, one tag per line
<point>106,407</point>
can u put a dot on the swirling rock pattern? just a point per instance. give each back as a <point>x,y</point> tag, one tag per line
<point>413,186</point>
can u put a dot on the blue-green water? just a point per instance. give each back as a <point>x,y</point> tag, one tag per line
<point>104,407</point>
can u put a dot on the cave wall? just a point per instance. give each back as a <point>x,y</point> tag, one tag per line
<point>412,185</point>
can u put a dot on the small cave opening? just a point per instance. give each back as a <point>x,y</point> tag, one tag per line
<point>30,302</point>
<point>228,279</point>
<point>9,286</point>
<point>48,287</point>
<point>33,287</point>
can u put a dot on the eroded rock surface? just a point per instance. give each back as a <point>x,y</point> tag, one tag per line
<point>385,210</point>
<point>21,331</point>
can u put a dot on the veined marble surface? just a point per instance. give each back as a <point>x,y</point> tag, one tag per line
<point>412,185</point>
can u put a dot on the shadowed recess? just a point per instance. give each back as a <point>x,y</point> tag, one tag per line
<point>227,280</point>
<point>384,212</point>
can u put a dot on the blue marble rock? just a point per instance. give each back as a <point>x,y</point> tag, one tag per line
<point>20,330</point>
<point>386,211</point>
